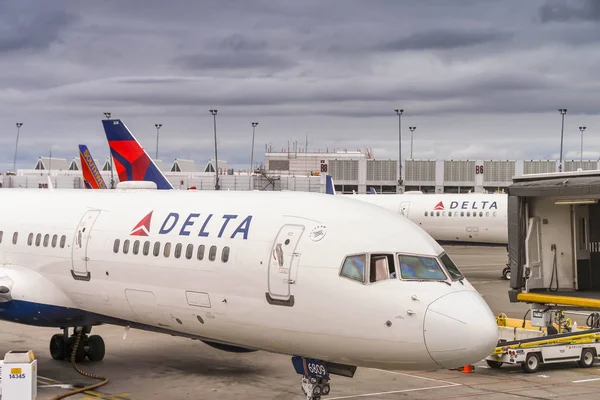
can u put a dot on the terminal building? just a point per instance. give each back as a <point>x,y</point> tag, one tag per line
<point>354,171</point>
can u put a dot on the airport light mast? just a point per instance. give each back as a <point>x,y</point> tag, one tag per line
<point>399,113</point>
<point>581,129</point>
<point>412,130</point>
<point>214,114</point>
<point>254,124</point>
<point>19,125</point>
<point>157,126</point>
<point>562,112</point>
<point>110,159</point>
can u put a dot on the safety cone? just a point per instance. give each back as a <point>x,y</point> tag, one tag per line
<point>468,369</point>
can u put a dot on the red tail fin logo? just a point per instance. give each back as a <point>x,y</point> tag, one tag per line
<point>143,227</point>
<point>439,206</point>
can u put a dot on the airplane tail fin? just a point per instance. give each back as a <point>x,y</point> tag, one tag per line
<point>329,188</point>
<point>132,162</point>
<point>89,169</point>
<point>372,190</point>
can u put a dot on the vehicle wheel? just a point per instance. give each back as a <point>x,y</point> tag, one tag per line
<point>587,358</point>
<point>506,273</point>
<point>96,348</point>
<point>494,364</point>
<point>57,347</point>
<point>532,363</point>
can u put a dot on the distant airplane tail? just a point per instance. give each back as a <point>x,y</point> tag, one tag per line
<point>329,188</point>
<point>89,169</point>
<point>131,160</point>
<point>372,190</point>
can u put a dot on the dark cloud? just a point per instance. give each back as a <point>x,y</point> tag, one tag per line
<point>235,60</point>
<point>30,25</point>
<point>560,11</point>
<point>444,40</point>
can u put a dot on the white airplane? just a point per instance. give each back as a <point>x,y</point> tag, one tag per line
<point>335,283</point>
<point>473,218</point>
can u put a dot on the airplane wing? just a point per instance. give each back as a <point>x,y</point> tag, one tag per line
<point>91,174</point>
<point>131,160</point>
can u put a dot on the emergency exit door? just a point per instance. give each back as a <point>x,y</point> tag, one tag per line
<point>283,261</point>
<point>79,248</point>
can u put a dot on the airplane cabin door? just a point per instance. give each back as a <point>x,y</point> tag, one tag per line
<point>404,206</point>
<point>80,245</point>
<point>283,262</point>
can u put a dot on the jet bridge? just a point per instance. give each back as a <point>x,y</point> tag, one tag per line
<point>554,239</point>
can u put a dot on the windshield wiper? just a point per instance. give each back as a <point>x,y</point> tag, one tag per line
<point>444,281</point>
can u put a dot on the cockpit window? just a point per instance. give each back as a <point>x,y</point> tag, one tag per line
<point>382,267</point>
<point>452,269</point>
<point>354,267</point>
<point>418,267</point>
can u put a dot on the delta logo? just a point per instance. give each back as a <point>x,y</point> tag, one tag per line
<point>203,225</point>
<point>467,205</point>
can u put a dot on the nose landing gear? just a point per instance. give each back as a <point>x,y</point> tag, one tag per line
<point>315,377</point>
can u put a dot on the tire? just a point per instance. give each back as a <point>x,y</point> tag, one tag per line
<point>532,363</point>
<point>506,273</point>
<point>95,348</point>
<point>57,347</point>
<point>587,358</point>
<point>494,364</point>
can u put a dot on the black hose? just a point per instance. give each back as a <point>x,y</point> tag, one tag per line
<point>554,272</point>
<point>593,321</point>
<point>525,316</point>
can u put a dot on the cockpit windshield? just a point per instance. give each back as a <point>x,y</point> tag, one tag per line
<point>452,269</point>
<point>419,267</point>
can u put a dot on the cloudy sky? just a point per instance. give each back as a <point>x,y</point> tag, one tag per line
<point>479,79</point>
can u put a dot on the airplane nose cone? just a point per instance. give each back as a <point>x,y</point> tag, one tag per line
<point>460,329</point>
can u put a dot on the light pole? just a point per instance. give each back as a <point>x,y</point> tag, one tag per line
<point>412,130</point>
<point>399,113</point>
<point>254,124</point>
<point>157,126</point>
<point>110,159</point>
<point>19,125</point>
<point>214,114</point>
<point>562,112</point>
<point>581,129</point>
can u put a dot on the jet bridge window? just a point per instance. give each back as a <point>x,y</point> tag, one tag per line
<point>30,239</point>
<point>382,267</point>
<point>54,240</point>
<point>452,269</point>
<point>63,241</point>
<point>38,239</point>
<point>354,267</point>
<point>420,268</point>
<point>115,245</point>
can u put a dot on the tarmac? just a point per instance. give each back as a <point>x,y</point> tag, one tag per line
<point>154,366</point>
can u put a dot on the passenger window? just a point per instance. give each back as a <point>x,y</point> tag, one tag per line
<point>354,267</point>
<point>178,250</point>
<point>225,254</point>
<point>116,246</point>
<point>63,240</point>
<point>426,213</point>
<point>30,239</point>
<point>452,269</point>
<point>167,250</point>
<point>421,268</point>
<point>443,213</point>
<point>201,252</point>
<point>494,213</point>
<point>1,234</point>
<point>38,239</point>
<point>54,240</point>
<point>468,213</point>
<point>126,246</point>
<point>449,213</point>
<point>156,250</point>
<point>382,267</point>
<point>462,213</point>
<point>136,247</point>
<point>437,214</point>
<point>15,237</point>
<point>480,213</point>
<point>487,213</point>
<point>212,253</point>
<point>189,252</point>
<point>146,248</point>
<point>46,240</point>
